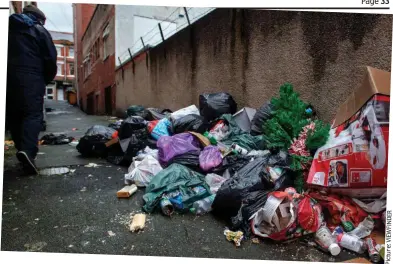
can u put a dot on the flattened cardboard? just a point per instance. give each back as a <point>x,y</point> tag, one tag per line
<point>375,82</point>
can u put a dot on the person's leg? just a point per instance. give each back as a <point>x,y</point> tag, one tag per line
<point>31,121</point>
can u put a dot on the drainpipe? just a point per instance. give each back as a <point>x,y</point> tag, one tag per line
<point>76,66</point>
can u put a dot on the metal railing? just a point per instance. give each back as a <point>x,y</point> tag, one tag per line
<point>163,31</point>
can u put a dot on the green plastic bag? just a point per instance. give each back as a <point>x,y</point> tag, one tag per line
<point>175,178</point>
<point>136,110</point>
<point>241,138</point>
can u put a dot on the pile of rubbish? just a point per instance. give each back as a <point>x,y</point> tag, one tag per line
<point>275,173</point>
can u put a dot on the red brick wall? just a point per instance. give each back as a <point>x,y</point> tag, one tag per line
<point>82,16</point>
<point>102,70</point>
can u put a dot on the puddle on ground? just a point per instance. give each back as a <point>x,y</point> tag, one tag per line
<point>54,171</point>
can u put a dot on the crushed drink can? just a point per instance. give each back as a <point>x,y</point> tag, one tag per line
<point>372,251</point>
<point>166,206</point>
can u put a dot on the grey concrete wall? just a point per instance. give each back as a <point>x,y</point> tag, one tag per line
<point>250,53</point>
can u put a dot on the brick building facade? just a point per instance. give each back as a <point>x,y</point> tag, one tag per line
<point>95,58</point>
<point>65,77</point>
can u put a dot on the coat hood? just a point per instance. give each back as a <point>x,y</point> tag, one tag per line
<point>22,21</point>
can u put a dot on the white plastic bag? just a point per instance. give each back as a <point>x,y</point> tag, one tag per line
<point>192,109</point>
<point>141,172</point>
<point>146,152</point>
<point>214,181</point>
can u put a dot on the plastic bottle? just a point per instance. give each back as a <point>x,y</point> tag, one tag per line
<point>203,206</point>
<point>324,238</point>
<point>352,243</point>
<point>239,149</point>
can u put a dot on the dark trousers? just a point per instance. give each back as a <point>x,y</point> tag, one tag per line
<point>24,110</point>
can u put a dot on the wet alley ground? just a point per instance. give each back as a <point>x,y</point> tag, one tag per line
<point>80,213</point>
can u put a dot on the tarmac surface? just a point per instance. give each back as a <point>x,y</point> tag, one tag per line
<point>79,212</point>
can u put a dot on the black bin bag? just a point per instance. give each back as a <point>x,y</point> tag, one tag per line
<point>92,144</point>
<point>131,125</point>
<point>255,176</point>
<point>214,105</point>
<point>188,123</point>
<point>261,116</point>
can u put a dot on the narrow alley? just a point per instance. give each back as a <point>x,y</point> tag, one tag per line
<point>80,213</point>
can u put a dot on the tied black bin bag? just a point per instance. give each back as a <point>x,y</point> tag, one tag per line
<point>194,123</point>
<point>131,125</point>
<point>214,105</point>
<point>92,144</point>
<point>254,176</point>
<point>261,116</point>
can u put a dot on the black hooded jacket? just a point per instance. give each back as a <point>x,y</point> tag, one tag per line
<point>30,49</point>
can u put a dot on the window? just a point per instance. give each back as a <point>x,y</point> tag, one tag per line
<point>58,49</point>
<point>71,67</point>
<point>59,68</point>
<point>49,91</point>
<point>105,41</point>
<point>71,52</point>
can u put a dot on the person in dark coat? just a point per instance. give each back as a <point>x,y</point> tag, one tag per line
<point>31,66</point>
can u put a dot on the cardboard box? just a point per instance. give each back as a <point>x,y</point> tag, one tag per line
<point>354,160</point>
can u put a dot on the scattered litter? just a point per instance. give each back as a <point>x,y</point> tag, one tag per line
<point>40,153</point>
<point>52,139</point>
<point>15,229</point>
<point>90,176</point>
<point>111,234</point>
<point>74,143</point>
<point>138,222</point>
<point>34,247</point>
<point>72,171</point>
<point>127,191</point>
<point>74,129</point>
<point>83,189</point>
<point>92,165</point>
<point>54,171</point>
<point>78,118</point>
<point>255,240</point>
<point>236,237</point>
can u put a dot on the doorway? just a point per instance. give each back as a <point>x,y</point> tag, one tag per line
<point>108,100</point>
<point>90,104</point>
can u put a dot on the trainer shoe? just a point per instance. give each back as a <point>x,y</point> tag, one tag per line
<point>28,164</point>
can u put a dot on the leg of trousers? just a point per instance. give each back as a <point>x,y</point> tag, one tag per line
<point>25,111</point>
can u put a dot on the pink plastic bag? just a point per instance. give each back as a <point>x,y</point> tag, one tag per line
<point>179,144</point>
<point>210,158</point>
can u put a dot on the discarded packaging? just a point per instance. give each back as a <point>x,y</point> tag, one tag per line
<point>374,206</point>
<point>364,229</point>
<point>236,237</point>
<point>352,243</point>
<point>372,251</point>
<point>326,241</point>
<point>92,165</point>
<point>138,222</point>
<point>127,191</point>
<point>354,160</point>
<point>244,117</point>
